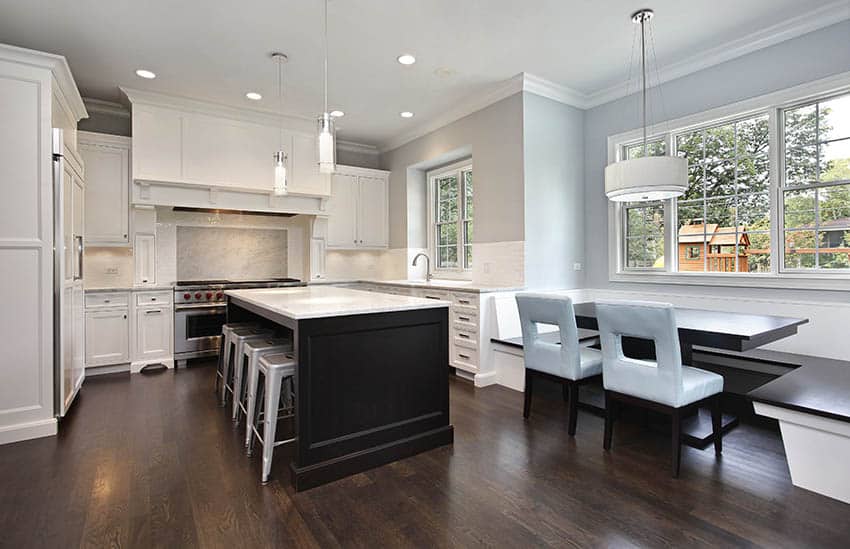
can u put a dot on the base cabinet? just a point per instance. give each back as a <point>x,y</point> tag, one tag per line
<point>152,329</point>
<point>107,337</point>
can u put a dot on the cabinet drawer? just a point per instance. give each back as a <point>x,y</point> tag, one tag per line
<point>464,358</point>
<point>465,300</point>
<point>430,294</point>
<point>465,339</point>
<point>154,298</point>
<point>107,299</point>
<point>464,319</point>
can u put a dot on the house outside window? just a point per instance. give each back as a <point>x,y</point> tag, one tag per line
<point>451,217</point>
<point>768,192</point>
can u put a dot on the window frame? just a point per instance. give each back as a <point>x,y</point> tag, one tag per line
<point>457,169</point>
<point>773,104</point>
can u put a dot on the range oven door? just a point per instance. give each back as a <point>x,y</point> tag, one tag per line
<point>197,329</point>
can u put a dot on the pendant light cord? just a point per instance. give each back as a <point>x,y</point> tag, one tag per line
<point>325,68</point>
<point>280,95</point>
<point>643,72</point>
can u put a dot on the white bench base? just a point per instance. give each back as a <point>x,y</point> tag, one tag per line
<point>817,449</point>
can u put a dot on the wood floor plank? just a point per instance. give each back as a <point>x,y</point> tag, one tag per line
<point>151,461</point>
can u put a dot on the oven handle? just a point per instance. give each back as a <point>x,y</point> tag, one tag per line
<point>190,306</point>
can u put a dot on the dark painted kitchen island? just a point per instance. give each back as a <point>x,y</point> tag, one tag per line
<point>372,375</point>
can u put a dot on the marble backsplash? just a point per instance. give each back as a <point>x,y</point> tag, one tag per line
<point>233,253</point>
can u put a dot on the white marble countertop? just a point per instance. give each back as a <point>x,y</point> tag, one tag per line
<point>321,301</point>
<point>434,284</point>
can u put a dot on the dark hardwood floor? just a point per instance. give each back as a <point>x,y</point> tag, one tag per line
<point>150,461</point>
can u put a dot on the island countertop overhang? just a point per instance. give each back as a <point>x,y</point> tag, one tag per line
<point>308,302</point>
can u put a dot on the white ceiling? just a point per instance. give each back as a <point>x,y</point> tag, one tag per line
<point>218,49</point>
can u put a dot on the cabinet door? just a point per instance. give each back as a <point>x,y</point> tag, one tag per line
<point>342,212</point>
<point>144,259</point>
<point>372,219</point>
<point>153,332</point>
<point>107,187</point>
<point>157,143</point>
<point>107,337</point>
<point>305,177</point>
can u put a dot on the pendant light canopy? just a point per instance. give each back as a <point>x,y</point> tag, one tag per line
<point>648,177</point>
<point>327,135</point>
<point>280,157</point>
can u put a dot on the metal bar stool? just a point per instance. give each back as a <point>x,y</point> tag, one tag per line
<point>232,352</point>
<point>251,352</point>
<point>222,345</point>
<point>276,369</point>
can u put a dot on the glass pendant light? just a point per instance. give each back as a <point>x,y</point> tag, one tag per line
<point>327,135</point>
<point>648,177</point>
<point>280,157</point>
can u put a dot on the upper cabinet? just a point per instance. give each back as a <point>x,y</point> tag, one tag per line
<point>358,209</point>
<point>220,147</point>
<point>107,161</point>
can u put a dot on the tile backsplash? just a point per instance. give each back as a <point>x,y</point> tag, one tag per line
<point>234,253</point>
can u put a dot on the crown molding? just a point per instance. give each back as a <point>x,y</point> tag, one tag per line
<point>354,147</point>
<point>551,90</point>
<point>99,106</point>
<point>816,19</point>
<point>301,124</point>
<point>67,88</point>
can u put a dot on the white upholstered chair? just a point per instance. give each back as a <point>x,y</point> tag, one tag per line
<point>563,360</point>
<point>663,385</point>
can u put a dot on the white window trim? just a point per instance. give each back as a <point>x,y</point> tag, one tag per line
<point>459,272</point>
<point>772,104</point>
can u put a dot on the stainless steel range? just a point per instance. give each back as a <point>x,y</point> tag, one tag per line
<point>200,309</point>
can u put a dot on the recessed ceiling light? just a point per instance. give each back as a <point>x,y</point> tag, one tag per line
<point>253,96</point>
<point>145,74</point>
<point>337,114</point>
<point>406,114</point>
<point>406,59</point>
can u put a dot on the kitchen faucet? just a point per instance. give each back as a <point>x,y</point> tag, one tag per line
<point>427,265</point>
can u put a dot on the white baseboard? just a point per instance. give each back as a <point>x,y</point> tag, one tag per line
<point>109,369</point>
<point>27,431</point>
<point>485,379</point>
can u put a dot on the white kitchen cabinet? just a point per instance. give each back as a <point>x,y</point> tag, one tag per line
<point>342,211</point>
<point>372,214</point>
<point>157,143</point>
<point>358,209</point>
<point>107,337</point>
<point>304,166</point>
<point>144,259</point>
<point>153,332</point>
<point>107,214</point>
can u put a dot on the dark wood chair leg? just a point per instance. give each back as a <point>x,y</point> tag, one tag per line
<point>717,425</point>
<point>572,388</point>
<point>609,421</point>
<point>526,408</point>
<point>565,389</point>
<point>676,442</point>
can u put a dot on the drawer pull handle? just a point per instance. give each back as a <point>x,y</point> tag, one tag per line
<point>464,318</point>
<point>153,311</point>
<point>153,299</point>
<point>431,297</point>
<point>106,301</point>
<point>461,355</point>
<point>464,301</point>
<point>464,336</point>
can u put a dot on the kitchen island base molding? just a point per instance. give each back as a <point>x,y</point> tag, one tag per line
<point>304,478</point>
<point>370,388</point>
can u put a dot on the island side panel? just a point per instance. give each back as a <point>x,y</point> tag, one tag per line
<point>371,389</point>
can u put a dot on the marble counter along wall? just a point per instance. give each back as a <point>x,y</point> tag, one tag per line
<point>229,252</point>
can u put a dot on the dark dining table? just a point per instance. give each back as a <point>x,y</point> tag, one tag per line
<point>697,327</point>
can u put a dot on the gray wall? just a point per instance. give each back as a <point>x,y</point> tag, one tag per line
<point>553,153</point>
<point>493,137</point>
<point>810,57</point>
